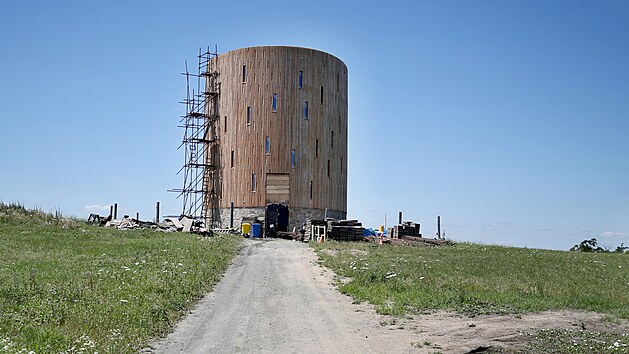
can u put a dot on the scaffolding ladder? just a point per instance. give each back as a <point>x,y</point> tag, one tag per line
<point>201,178</point>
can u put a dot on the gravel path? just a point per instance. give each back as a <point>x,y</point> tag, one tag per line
<point>275,298</point>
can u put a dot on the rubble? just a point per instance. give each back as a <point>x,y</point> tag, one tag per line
<point>183,224</point>
<point>98,220</point>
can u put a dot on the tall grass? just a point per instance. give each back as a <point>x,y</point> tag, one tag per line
<point>69,287</point>
<point>479,279</point>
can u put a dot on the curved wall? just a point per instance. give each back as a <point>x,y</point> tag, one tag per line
<point>282,130</point>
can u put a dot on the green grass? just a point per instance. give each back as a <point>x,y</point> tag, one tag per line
<point>69,287</point>
<point>479,279</point>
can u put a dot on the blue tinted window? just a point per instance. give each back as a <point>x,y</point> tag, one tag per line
<point>267,145</point>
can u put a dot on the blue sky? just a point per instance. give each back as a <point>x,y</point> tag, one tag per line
<point>510,119</point>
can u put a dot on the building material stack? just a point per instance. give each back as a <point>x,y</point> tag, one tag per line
<point>309,226</point>
<point>345,230</point>
<point>407,228</point>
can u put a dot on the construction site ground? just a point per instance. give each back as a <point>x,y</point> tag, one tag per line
<point>276,298</point>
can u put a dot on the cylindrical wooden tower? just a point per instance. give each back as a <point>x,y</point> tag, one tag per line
<point>282,133</point>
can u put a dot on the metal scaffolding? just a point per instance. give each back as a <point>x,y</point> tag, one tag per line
<point>201,179</point>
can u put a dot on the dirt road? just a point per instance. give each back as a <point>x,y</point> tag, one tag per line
<point>276,298</point>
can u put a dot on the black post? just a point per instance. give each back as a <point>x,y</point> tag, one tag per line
<point>400,221</point>
<point>137,216</point>
<point>157,212</point>
<point>111,211</point>
<point>439,227</point>
<point>231,215</point>
<point>115,211</point>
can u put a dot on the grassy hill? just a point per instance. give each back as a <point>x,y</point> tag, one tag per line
<point>478,279</point>
<point>69,287</point>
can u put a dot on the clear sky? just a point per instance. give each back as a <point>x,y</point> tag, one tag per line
<point>510,119</point>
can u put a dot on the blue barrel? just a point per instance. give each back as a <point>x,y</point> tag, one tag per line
<point>255,230</point>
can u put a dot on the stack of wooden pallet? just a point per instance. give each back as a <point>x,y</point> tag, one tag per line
<point>345,230</point>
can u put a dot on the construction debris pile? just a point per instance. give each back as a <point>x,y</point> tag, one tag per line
<point>406,233</point>
<point>419,241</point>
<point>183,224</point>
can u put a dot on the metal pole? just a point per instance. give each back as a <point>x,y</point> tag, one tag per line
<point>231,215</point>
<point>157,212</point>
<point>400,222</point>
<point>137,216</point>
<point>111,210</point>
<point>115,211</point>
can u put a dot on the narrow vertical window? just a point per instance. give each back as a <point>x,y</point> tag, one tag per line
<point>321,94</point>
<point>328,168</point>
<point>274,103</point>
<point>301,80</point>
<point>248,115</point>
<point>225,125</point>
<point>316,147</point>
<point>306,110</point>
<point>292,158</point>
<point>310,189</point>
<point>231,160</point>
<point>267,145</point>
<point>332,139</point>
<point>254,184</point>
<point>244,73</point>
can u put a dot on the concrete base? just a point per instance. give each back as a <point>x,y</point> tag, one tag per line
<point>296,216</point>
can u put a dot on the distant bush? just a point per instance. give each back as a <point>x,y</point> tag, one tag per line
<point>591,245</point>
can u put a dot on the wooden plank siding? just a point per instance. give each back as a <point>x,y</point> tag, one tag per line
<point>275,70</point>
<point>277,188</point>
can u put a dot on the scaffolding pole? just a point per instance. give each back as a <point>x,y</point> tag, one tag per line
<point>201,180</point>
